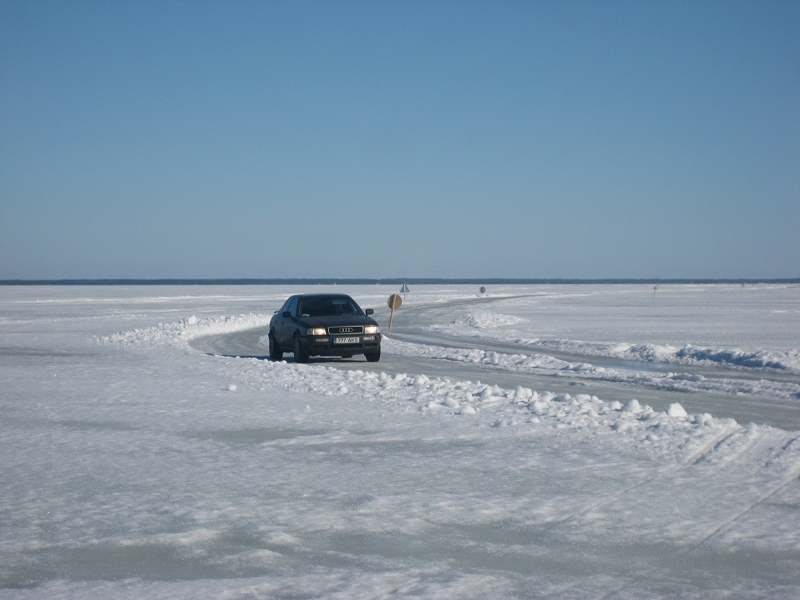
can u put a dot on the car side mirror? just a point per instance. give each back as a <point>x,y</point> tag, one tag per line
<point>369,312</point>
<point>287,314</point>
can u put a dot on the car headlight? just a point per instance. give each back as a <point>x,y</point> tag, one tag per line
<point>372,329</point>
<point>316,331</point>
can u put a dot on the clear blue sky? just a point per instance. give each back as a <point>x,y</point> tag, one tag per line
<point>382,139</point>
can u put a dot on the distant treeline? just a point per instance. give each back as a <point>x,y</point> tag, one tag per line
<point>389,281</point>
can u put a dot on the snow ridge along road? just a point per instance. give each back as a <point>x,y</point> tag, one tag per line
<point>746,390</point>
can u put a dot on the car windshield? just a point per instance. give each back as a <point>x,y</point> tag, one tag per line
<point>327,306</point>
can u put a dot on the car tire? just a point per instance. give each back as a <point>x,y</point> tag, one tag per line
<point>275,352</point>
<point>373,356</point>
<point>300,355</point>
<point>347,356</point>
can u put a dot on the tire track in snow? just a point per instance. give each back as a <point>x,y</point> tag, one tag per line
<point>704,455</point>
<point>706,450</point>
<point>794,474</point>
<point>644,576</point>
<point>748,445</point>
<point>786,446</point>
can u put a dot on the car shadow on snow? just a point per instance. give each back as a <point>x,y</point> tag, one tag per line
<point>312,360</point>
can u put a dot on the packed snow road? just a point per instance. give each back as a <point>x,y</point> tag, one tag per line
<point>765,395</point>
<point>135,466</point>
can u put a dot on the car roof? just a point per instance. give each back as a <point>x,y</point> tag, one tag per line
<point>322,295</point>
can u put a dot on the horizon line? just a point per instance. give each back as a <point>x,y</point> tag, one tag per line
<point>394,281</point>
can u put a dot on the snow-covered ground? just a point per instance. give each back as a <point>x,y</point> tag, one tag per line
<point>136,466</point>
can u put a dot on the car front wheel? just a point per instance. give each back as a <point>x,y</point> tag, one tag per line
<point>373,356</point>
<point>275,353</point>
<point>300,355</point>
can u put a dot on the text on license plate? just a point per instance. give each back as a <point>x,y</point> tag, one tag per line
<point>345,340</point>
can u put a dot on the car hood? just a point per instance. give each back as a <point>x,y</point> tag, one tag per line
<point>338,321</point>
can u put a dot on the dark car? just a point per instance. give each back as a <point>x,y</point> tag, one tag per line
<point>323,325</point>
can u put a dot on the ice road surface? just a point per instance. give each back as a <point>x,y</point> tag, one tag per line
<point>544,441</point>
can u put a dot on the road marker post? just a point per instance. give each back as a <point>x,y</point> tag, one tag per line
<point>394,302</point>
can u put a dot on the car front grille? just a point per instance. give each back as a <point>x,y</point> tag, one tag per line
<point>346,330</point>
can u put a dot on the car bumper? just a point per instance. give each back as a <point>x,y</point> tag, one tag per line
<point>325,346</point>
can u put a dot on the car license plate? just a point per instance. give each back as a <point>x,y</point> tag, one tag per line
<point>345,340</point>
